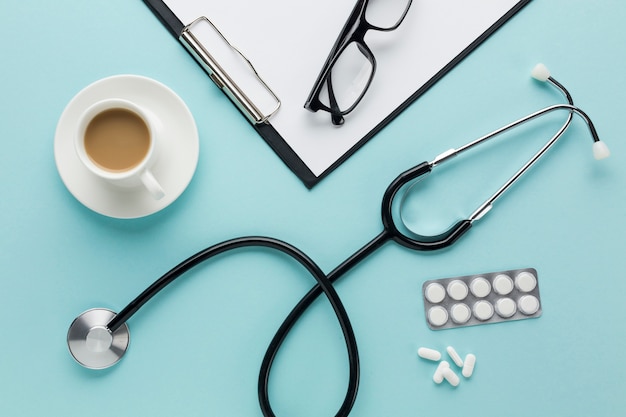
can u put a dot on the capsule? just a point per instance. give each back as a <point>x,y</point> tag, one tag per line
<point>455,356</point>
<point>430,354</point>
<point>468,366</point>
<point>449,375</point>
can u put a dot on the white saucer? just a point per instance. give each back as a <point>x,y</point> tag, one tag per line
<point>178,151</point>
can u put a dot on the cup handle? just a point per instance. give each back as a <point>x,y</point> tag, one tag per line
<point>152,185</point>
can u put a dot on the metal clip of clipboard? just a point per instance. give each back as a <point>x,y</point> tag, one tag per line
<point>221,78</point>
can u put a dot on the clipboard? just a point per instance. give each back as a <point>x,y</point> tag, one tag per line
<point>284,44</point>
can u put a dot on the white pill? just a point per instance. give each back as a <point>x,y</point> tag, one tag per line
<point>468,366</point>
<point>437,316</point>
<point>430,354</point>
<point>460,313</point>
<point>503,284</point>
<point>457,290</point>
<point>480,287</point>
<point>438,375</point>
<point>450,376</point>
<point>456,358</point>
<point>483,310</point>
<point>525,281</point>
<point>434,292</point>
<point>505,307</point>
<point>528,304</point>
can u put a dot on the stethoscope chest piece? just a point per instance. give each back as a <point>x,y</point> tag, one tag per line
<point>91,342</point>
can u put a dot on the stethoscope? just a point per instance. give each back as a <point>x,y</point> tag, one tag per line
<point>98,338</point>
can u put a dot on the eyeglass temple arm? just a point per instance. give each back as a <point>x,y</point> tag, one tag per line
<point>335,112</point>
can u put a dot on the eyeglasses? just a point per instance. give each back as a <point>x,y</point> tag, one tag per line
<point>350,66</point>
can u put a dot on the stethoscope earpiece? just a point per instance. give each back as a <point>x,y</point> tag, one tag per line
<point>91,342</point>
<point>600,150</point>
<point>540,72</point>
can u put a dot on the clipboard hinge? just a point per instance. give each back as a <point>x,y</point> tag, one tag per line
<point>221,77</point>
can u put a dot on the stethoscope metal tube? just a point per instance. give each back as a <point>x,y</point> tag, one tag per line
<point>98,338</point>
<point>486,206</point>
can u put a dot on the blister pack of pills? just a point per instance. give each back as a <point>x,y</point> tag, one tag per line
<point>482,298</point>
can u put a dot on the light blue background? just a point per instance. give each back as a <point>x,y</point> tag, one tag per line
<point>196,349</point>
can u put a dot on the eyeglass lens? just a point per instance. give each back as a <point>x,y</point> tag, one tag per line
<point>349,77</point>
<point>386,14</point>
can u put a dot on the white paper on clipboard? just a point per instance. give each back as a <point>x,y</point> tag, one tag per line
<point>288,41</point>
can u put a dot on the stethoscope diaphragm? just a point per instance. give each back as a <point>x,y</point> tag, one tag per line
<point>91,342</point>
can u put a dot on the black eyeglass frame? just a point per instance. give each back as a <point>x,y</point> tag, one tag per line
<point>353,32</point>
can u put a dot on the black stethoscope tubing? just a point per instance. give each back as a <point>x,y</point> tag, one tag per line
<point>324,284</point>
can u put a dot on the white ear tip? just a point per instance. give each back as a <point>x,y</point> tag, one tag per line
<point>600,150</point>
<point>540,72</point>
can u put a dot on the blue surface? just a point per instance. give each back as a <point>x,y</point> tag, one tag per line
<point>196,349</point>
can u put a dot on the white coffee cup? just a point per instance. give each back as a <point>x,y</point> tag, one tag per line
<point>116,140</point>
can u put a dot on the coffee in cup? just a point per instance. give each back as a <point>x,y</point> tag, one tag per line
<point>116,141</point>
